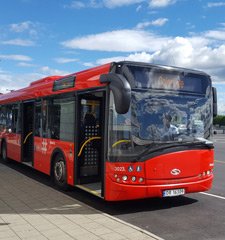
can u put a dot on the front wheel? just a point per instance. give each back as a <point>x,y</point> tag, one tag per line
<point>59,172</point>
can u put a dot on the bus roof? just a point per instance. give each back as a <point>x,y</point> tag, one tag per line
<point>44,87</point>
<point>83,80</point>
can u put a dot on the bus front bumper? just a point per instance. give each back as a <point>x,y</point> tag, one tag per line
<point>119,191</point>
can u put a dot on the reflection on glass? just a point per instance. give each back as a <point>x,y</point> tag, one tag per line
<point>157,119</point>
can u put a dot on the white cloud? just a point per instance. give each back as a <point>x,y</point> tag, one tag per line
<point>216,4</point>
<point>192,53</point>
<point>205,51</point>
<point>216,34</point>
<point>22,80</point>
<point>20,27</point>
<point>65,60</point>
<point>18,42</point>
<point>120,3</point>
<point>24,27</point>
<point>25,64</point>
<point>138,57</point>
<point>89,64</point>
<point>138,8</point>
<point>13,81</point>
<point>119,41</point>
<point>158,22</point>
<point>16,57</point>
<point>47,71</point>
<point>76,5</point>
<point>160,3</point>
<point>87,4</point>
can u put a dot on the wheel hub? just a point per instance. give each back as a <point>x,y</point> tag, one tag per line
<point>59,170</point>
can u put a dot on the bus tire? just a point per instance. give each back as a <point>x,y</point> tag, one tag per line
<point>4,152</point>
<point>59,172</point>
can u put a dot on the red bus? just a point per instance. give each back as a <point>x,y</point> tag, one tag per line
<point>121,131</point>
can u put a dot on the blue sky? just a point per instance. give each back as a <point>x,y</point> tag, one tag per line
<point>39,38</point>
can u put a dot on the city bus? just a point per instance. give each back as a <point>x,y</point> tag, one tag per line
<point>121,131</point>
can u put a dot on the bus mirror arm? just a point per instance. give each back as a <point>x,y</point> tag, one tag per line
<point>214,102</point>
<point>121,91</point>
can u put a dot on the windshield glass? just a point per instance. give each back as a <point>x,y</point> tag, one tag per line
<point>158,119</point>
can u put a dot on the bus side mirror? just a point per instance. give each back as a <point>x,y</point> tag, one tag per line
<point>214,102</point>
<point>121,91</point>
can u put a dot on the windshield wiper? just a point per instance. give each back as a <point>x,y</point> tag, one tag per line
<point>174,144</point>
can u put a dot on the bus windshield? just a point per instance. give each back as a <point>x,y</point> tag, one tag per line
<point>156,119</point>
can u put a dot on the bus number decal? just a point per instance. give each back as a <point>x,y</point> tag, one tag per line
<point>119,169</point>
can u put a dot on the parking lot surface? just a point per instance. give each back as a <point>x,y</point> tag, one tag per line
<point>31,210</point>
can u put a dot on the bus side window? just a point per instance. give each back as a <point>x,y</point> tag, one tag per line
<point>45,119</point>
<point>9,117</point>
<point>1,119</point>
<point>16,128</point>
<point>61,112</point>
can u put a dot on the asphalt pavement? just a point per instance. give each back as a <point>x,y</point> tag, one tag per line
<point>198,216</point>
<point>32,210</point>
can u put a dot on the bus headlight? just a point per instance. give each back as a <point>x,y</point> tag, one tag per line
<point>133,179</point>
<point>124,178</point>
<point>141,180</point>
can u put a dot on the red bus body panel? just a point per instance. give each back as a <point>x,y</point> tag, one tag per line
<point>43,150</point>
<point>13,141</point>
<point>14,146</point>
<point>157,176</point>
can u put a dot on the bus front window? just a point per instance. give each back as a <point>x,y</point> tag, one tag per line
<point>157,119</point>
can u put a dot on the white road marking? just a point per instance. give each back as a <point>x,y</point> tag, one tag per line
<point>218,161</point>
<point>212,195</point>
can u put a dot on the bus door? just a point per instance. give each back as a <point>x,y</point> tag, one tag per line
<point>90,128</point>
<point>27,132</point>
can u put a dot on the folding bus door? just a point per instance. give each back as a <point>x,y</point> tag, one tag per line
<point>90,128</point>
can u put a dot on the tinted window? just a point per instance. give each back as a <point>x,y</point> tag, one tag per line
<point>10,118</point>
<point>6,117</point>
<point>61,119</point>
<point>16,118</point>
<point>38,119</point>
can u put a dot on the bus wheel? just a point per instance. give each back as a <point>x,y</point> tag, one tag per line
<point>59,172</point>
<point>4,152</point>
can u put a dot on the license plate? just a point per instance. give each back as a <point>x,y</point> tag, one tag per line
<point>173,192</point>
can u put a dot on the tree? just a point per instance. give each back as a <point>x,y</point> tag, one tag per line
<point>219,120</point>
